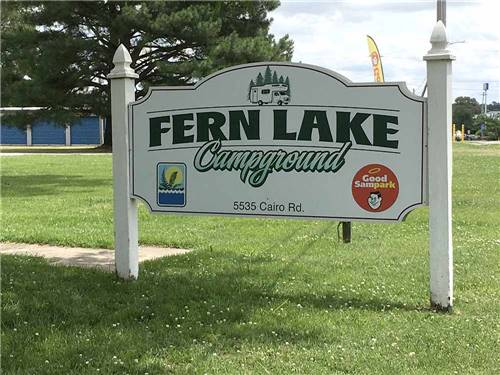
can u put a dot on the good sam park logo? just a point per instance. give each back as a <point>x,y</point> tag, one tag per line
<point>375,188</point>
<point>237,144</point>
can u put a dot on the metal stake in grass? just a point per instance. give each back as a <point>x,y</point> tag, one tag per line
<point>346,231</point>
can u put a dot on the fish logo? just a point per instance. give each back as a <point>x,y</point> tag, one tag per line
<point>171,184</point>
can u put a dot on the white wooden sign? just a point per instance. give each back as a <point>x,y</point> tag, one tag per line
<point>280,140</point>
<point>286,140</point>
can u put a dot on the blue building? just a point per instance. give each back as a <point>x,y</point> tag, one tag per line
<point>86,131</point>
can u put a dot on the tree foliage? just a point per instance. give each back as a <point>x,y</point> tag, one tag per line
<point>56,55</point>
<point>491,126</point>
<point>493,106</point>
<point>464,110</point>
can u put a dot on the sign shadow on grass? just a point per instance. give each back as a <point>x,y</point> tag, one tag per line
<point>39,185</point>
<point>212,299</point>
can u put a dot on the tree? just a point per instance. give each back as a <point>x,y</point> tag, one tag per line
<point>493,106</point>
<point>252,84</point>
<point>268,76</point>
<point>260,80</point>
<point>67,48</point>
<point>492,126</point>
<point>464,110</point>
<point>275,77</point>
<point>288,92</point>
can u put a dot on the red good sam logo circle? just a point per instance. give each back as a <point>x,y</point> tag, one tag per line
<point>375,188</point>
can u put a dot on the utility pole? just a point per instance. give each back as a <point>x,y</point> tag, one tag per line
<point>486,86</point>
<point>440,16</point>
<point>441,11</point>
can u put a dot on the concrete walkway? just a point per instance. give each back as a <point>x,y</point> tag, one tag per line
<point>83,257</point>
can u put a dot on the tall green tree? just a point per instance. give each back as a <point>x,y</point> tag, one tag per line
<point>56,55</point>
<point>464,110</point>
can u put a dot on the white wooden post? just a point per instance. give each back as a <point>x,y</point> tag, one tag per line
<point>29,136</point>
<point>67,134</point>
<point>439,155</point>
<point>101,130</point>
<point>125,208</point>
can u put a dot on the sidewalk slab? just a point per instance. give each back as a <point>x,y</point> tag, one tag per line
<point>83,257</point>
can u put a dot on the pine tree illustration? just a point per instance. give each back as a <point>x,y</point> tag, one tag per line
<point>281,80</point>
<point>259,80</point>
<point>275,77</point>
<point>268,76</point>
<point>288,91</point>
<point>252,84</point>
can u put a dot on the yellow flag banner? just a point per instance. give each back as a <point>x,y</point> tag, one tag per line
<point>378,72</point>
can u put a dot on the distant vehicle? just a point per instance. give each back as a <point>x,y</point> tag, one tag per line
<point>270,93</point>
<point>472,137</point>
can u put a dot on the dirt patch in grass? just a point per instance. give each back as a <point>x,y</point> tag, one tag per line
<point>83,257</point>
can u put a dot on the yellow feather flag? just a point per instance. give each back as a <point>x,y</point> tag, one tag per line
<point>378,72</point>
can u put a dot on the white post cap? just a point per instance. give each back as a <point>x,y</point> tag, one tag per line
<point>439,42</point>
<point>122,61</point>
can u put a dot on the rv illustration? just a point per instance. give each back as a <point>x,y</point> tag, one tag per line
<point>271,93</point>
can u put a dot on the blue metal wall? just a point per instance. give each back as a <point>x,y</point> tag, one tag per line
<point>11,135</point>
<point>86,131</point>
<point>48,133</point>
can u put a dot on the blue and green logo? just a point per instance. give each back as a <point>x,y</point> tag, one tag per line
<point>171,184</point>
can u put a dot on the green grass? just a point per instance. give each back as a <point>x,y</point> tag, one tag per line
<point>257,296</point>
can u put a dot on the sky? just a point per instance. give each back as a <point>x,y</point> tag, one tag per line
<point>332,34</point>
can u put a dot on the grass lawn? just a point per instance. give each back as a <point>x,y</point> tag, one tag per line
<point>257,296</point>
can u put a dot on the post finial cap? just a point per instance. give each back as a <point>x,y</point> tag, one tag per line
<point>439,42</point>
<point>438,37</point>
<point>122,60</point>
